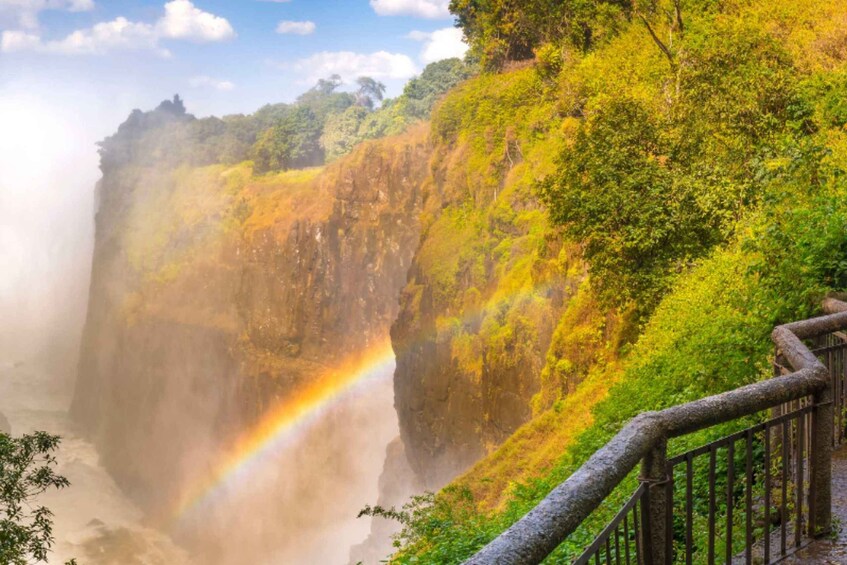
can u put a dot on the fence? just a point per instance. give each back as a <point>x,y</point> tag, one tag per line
<point>767,488</point>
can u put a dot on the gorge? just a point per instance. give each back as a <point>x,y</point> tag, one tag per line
<point>236,357</point>
<point>432,309</point>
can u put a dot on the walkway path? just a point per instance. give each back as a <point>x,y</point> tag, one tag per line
<point>834,550</point>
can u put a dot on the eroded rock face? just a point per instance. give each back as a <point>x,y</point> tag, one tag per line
<point>486,294</point>
<point>215,295</point>
<point>451,416</point>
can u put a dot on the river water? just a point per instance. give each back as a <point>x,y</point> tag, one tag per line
<point>94,522</point>
<point>97,524</point>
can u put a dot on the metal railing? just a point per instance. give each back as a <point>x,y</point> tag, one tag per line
<point>772,497</point>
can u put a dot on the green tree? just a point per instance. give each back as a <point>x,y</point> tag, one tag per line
<point>615,192</point>
<point>650,185</point>
<point>292,143</point>
<point>510,30</point>
<point>26,471</point>
<point>421,93</point>
<point>369,93</point>
<point>323,99</point>
<point>329,85</point>
<point>341,132</point>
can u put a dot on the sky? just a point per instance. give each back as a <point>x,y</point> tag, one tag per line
<point>221,56</point>
<point>72,70</point>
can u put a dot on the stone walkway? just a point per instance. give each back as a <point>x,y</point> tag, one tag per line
<point>831,551</point>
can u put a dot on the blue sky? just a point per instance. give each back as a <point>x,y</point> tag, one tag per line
<point>222,56</point>
<point>72,70</point>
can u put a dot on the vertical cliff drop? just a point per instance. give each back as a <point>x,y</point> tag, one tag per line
<point>218,296</point>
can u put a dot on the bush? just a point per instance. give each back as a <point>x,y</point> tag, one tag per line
<point>26,471</point>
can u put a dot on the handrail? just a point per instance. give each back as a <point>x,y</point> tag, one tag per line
<point>547,525</point>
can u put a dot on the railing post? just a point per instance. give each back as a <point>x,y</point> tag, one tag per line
<point>820,462</point>
<point>655,533</point>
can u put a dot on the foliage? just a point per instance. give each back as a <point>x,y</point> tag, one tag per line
<point>293,143</point>
<point>26,471</point>
<point>709,195</point>
<point>650,186</point>
<point>430,517</point>
<point>369,93</point>
<point>510,30</point>
<point>324,123</point>
<point>421,93</point>
<point>341,132</point>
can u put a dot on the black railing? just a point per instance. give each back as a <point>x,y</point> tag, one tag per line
<point>774,454</point>
<point>620,541</point>
<point>767,488</point>
<point>831,349</point>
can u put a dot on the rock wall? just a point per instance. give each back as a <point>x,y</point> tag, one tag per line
<point>497,321</point>
<point>215,294</point>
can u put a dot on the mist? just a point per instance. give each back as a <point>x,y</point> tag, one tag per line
<point>48,167</point>
<point>48,173</point>
<point>298,505</point>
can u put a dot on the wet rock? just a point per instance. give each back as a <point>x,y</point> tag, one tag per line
<point>196,328</point>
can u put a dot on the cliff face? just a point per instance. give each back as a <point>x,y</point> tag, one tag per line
<point>216,294</point>
<point>497,322</point>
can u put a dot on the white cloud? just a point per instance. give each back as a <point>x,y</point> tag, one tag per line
<point>296,28</point>
<point>24,13</point>
<point>204,81</point>
<point>430,9</point>
<point>118,34</point>
<point>12,41</point>
<point>351,65</point>
<point>440,44</point>
<point>182,20</point>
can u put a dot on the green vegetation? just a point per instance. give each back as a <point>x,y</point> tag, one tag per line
<point>511,30</point>
<point>611,226</point>
<point>701,177</point>
<point>323,124</point>
<point>293,143</point>
<point>26,471</point>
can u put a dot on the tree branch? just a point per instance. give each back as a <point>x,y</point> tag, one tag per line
<point>677,5</point>
<point>658,41</point>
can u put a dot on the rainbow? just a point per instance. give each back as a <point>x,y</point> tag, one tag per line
<point>293,416</point>
<point>286,421</point>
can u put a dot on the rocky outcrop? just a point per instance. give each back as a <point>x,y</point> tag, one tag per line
<point>463,385</point>
<point>215,294</point>
<point>497,322</point>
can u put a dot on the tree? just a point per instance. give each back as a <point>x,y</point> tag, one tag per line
<point>293,143</point>
<point>370,92</point>
<point>26,471</point>
<point>323,99</point>
<point>341,132</point>
<point>615,192</point>
<point>421,93</point>
<point>328,86</point>
<point>175,106</point>
<point>499,31</point>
